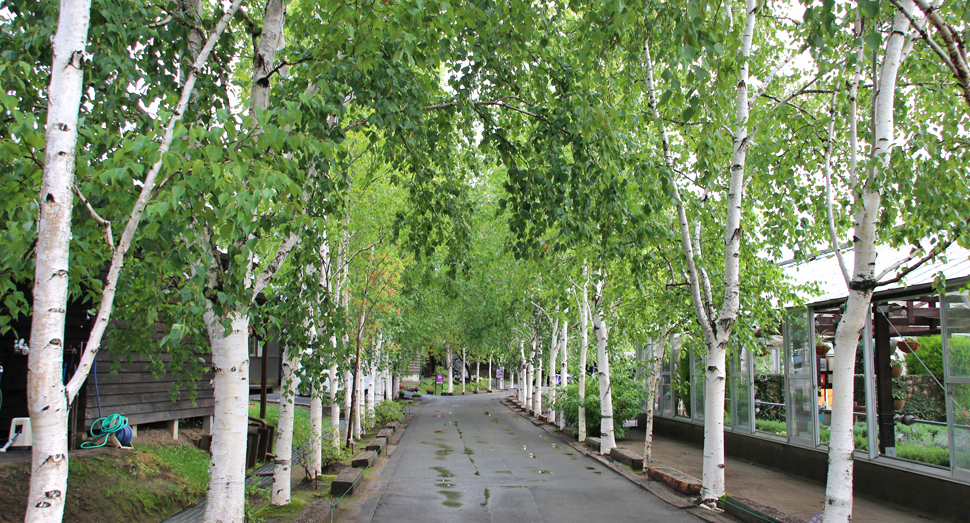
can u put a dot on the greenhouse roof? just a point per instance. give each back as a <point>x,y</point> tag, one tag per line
<point>824,271</point>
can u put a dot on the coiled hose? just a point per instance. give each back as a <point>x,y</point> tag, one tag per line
<point>106,426</point>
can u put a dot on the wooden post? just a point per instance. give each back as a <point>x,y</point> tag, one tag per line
<point>882,351</point>
<point>262,385</point>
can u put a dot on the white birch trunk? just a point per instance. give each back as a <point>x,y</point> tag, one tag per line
<point>230,364</point>
<point>316,432</point>
<point>348,401</point>
<point>489,373</point>
<point>464,366</point>
<point>553,356</point>
<point>537,393</point>
<point>529,379</point>
<point>656,368</point>
<point>372,393</point>
<point>478,375</point>
<point>46,396</point>
<point>334,407</point>
<point>716,333</point>
<point>607,434</point>
<point>358,403</point>
<point>838,488</point>
<point>389,386</point>
<point>563,366</point>
<point>284,431</point>
<point>584,314</point>
<point>450,377</point>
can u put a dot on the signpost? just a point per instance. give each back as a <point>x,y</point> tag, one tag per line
<point>438,379</point>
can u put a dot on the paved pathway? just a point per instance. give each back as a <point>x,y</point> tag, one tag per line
<point>470,459</point>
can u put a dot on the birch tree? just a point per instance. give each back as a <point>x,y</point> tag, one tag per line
<point>48,396</point>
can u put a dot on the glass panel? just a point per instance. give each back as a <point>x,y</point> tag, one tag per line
<point>742,390</point>
<point>770,388</point>
<point>803,410</point>
<point>728,390</point>
<point>666,392</point>
<point>697,382</point>
<point>679,358</point>
<point>961,425</point>
<point>800,352</point>
<point>957,358</point>
<point>958,334</point>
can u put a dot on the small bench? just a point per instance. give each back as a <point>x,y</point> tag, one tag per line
<point>407,394</point>
<point>346,482</point>
<point>377,444</point>
<point>628,458</point>
<point>677,480</point>
<point>383,433</point>
<point>393,425</point>
<point>593,443</point>
<point>364,459</point>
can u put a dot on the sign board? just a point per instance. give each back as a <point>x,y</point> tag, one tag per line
<point>500,372</point>
<point>439,378</point>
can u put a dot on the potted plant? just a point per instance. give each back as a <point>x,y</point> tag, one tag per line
<point>899,399</point>
<point>908,345</point>
<point>822,345</point>
<point>897,367</point>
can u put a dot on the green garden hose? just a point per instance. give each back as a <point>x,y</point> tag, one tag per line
<point>106,426</point>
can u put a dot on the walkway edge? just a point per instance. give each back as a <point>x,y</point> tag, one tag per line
<point>661,490</point>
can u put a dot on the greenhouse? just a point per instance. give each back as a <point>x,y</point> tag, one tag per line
<point>911,400</point>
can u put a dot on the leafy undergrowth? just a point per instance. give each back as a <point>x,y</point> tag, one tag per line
<point>301,495</point>
<point>112,485</point>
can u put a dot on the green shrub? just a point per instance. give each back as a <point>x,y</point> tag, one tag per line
<point>629,395</point>
<point>387,411</point>
<point>924,454</point>
<point>931,355</point>
<point>772,426</point>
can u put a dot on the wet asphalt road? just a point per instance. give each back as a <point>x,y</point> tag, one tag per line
<point>470,459</point>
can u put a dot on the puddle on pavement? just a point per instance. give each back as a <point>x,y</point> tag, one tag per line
<point>443,472</point>
<point>544,472</point>
<point>439,432</point>
<point>532,455</point>
<point>444,485</point>
<point>524,447</point>
<point>555,446</point>
<point>487,495</point>
<point>542,437</point>
<point>503,471</point>
<point>442,452</point>
<point>513,486</point>
<point>452,498</point>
